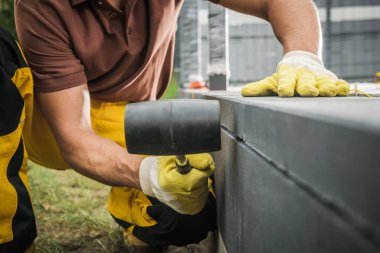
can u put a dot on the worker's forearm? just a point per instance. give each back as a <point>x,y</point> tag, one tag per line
<point>100,159</point>
<point>295,22</point>
<point>296,25</point>
<point>68,114</point>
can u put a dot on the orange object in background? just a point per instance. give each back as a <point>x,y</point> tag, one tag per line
<point>198,85</point>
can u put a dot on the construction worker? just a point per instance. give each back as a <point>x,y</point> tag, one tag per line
<point>90,58</point>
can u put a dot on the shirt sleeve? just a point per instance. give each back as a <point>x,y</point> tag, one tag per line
<point>47,47</point>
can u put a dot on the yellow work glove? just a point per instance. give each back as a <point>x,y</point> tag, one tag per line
<point>300,73</point>
<point>185,193</point>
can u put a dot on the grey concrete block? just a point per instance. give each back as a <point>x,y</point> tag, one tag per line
<point>261,210</point>
<point>228,184</point>
<point>331,144</point>
<point>232,114</point>
<point>218,82</point>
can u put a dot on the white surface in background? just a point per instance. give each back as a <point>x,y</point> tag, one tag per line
<point>354,13</point>
<point>338,14</point>
<point>369,88</point>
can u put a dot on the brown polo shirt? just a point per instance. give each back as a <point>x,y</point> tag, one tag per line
<point>122,54</point>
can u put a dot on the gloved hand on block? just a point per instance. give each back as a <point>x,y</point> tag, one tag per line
<point>300,73</point>
<point>185,193</point>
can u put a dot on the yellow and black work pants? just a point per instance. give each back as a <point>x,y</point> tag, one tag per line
<point>17,222</point>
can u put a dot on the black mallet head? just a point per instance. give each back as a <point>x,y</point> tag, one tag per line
<point>172,127</point>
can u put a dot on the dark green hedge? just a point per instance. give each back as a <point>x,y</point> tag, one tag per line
<point>6,16</point>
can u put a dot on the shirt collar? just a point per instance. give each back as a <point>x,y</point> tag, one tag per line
<point>76,2</point>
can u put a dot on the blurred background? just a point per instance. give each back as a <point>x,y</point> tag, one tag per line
<point>351,49</point>
<point>351,42</point>
<point>6,16</point>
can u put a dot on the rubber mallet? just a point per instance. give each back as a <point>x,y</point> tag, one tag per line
<point>173,127</point>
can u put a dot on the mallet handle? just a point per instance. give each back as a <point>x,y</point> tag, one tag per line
<point>183,164</point>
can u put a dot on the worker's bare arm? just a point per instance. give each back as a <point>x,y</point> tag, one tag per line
<point>295,22</point>
<point>68,114</point>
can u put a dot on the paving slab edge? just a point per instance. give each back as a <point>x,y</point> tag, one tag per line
<point>361,226</point>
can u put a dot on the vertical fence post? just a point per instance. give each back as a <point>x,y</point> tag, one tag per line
<point>328,38</point>
<point>218,68</point>
<point>189,39</point>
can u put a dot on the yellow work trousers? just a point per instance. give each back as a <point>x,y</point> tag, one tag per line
<point>17,222</point>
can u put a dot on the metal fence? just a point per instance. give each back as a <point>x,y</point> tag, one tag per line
<point>351,42</point>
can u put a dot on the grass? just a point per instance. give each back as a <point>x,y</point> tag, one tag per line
<point>71,213</point>
<point>171,91</point>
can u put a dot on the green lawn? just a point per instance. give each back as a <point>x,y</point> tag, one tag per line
<point>171,91</point>
<point>71,213</point>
